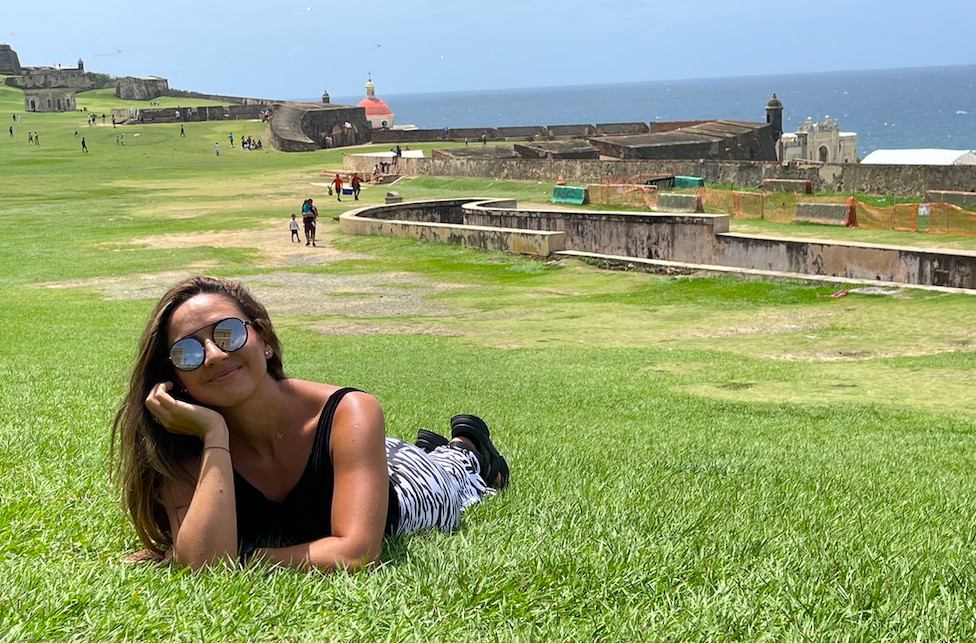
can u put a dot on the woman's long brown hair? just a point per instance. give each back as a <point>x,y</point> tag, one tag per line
<point>144,454</point>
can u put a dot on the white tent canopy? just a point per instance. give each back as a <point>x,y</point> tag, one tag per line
<point>920,157</point>
<point>407,154</point>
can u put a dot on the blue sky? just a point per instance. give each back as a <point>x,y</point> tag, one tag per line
<point>291,50</point>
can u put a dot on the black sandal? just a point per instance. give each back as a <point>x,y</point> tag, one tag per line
<point>493,465</point>
<point>428,440</point>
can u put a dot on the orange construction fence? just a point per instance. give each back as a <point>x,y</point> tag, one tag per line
<point>934,218</point>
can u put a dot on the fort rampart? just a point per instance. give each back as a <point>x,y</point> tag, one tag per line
<point>700,240</point>
<point>240,100</point>
<point>146,88</point>
<point>899,180</point>
<point>190,113</point>
<point>48,78</point>
<point>528,132</point>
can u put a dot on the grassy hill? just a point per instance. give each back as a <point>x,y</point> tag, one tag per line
<point>693,458</point>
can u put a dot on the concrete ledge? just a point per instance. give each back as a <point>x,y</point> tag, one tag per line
<point>621,129</point>
<point>473,134</point>
<point>671,202</point>
<point>526,242</point>
<point>701,241</point>
<point>797,186</point>
<point>825,213</point>
<point>767,274</point>
<point>571,131</point>
<point>561,149</point>
<point>523,131</point>
<point>965,200</point>
<point>383,135</point>
<point>523,242</point>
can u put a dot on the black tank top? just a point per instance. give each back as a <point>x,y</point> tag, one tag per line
<point>306,513</point>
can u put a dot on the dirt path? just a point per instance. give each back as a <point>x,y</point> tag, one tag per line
<point>380,297</point>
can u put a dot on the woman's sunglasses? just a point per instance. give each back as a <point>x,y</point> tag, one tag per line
<point>187,353</point>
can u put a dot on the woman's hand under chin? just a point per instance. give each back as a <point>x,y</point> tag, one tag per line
<point>178,416</point>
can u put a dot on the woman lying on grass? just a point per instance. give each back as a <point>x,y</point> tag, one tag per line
<point>221,456</point>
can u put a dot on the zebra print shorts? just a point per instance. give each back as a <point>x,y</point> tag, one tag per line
<point>433,488</point>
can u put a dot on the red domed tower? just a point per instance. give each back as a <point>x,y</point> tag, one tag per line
<point>378,113</point>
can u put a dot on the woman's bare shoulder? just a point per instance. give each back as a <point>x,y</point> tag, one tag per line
<point>318,393</point>
<point>308,388</point>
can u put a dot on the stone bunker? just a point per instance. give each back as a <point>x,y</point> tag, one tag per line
<point>695,241</point>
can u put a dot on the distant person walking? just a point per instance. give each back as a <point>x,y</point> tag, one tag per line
<point>217,148</point>
<point>76,132</point>
<point>11,131</point>
<point>355,181</point>
<point>84,146</point>
<point>182,133</point>
<point>337,182</point>
<point>30,138</point>
<point>230,135</point>
<point>37,139</point>
<point>308,220</point>
<point>293,226</point>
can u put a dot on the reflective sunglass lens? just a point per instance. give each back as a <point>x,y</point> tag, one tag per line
<point>230,334</point>
<point>186,354</point>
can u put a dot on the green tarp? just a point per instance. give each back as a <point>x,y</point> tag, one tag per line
<point>688,182</point>
<point>568,194</point>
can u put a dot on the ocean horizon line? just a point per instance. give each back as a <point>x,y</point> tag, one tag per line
<point>894,107</point>
<point>641,83</point>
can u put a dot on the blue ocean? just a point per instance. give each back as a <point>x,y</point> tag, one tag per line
<point>889,108</point>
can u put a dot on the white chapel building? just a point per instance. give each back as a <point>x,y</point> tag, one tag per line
<point>822,142</point>
<point>378,113</point>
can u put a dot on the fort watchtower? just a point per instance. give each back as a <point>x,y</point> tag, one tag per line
<point>774,116</point>
<point>9,62</point>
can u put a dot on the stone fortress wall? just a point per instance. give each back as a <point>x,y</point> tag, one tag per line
<point>725,139</point>
<point>190,113</point>
<point>73,78</point>
<point>658,239</point>
<point>303,127</point>
<point>58,99</point>
<point>9,62</point>
<point>899,180</point>
<point>141,88</point>
<point>527,132</point>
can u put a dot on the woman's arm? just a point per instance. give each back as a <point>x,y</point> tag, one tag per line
<point>202,518</point>
<point>361,495</point>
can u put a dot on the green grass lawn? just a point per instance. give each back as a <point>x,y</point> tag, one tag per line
<point>693,458</point>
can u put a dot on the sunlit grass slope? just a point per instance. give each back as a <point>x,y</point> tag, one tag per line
<point>693,458</point>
